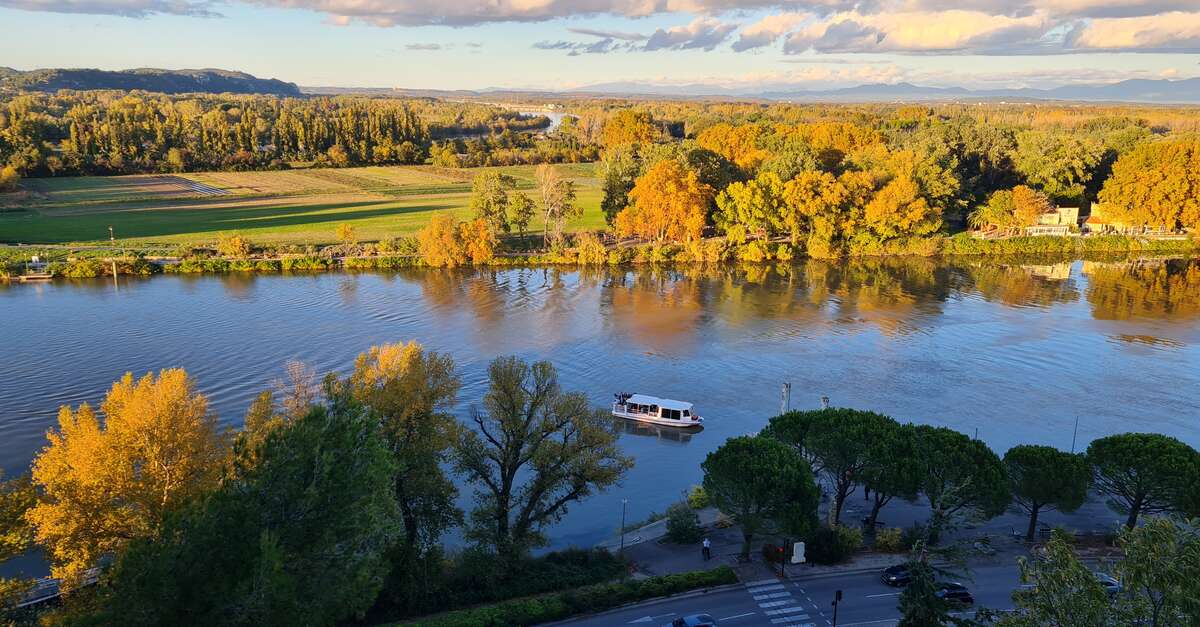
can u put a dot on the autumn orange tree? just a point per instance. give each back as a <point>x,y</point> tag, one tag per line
<point>739,144</point>
<point>1156,184</point>
<point>628,126</point>
<point>668,203</point>
<point>477,240</point>
<point>439,243</point>
<point>105,483</point>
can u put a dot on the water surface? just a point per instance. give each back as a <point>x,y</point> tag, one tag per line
<point>1013,352</point>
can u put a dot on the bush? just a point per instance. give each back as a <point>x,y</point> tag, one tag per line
<point>595,598</point>
<point>697,498</point>
<point>889,540</point>
<point>833,545</point>
<point>234,246</point>
<point>683,525</point>
<point>912,535</point>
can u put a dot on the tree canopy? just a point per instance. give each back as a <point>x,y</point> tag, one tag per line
<point>1143,473</point>
<point>756,481</point>
<point>1043,478</point>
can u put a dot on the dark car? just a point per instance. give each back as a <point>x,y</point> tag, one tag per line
<point>897,576</point>
<point>955,593</point>
<point>695,620</point>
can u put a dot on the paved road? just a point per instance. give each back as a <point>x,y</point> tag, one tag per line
<point>804,602</point>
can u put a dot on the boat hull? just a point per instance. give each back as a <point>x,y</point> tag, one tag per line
<point>655,420</point>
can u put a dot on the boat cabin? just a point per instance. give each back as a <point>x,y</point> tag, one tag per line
<point>654,409</point>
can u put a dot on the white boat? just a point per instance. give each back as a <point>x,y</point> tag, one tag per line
<point>654,410</point>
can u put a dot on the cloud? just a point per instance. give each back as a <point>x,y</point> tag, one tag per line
<point>916,32</point>
<point>125,8</point>
<point>423,47</point>
<point>765,31</point>
<point>1175,31</point>
<point>575,48</point>
<point>702,33</point>
<point>607,34</point>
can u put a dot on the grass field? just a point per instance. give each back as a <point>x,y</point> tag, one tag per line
<point>286,207</point>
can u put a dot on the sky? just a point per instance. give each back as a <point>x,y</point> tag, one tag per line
<point>562,44</point>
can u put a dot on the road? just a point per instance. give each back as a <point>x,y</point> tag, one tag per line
<point>804,602</point>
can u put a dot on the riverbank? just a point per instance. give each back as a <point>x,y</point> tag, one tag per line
<point>63,262</point>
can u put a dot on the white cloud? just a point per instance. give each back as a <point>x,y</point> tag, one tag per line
<point>940,31</point>
<point>126,8</point>
<point>765,31</point>
<point>1170,31</point>
<point>702,33</point>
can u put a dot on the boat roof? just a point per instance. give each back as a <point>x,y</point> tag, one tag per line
<point>642,399</point>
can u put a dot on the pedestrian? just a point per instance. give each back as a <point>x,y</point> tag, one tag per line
<point>707,551</point>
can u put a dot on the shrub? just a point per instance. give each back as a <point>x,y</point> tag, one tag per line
<point>303,264</point>
<point>590,250</point>
<point>889,540</point>
<point>595,598</point>
<point>697,498</point>
<point>832,545</point>
<point>910,536</point>
<point>233,246</point>
<point>683,525</point>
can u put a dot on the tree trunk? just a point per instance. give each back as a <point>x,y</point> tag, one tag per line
<point>746,539</point>
<point>1033,517</point>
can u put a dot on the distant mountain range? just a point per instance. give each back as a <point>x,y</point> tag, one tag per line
<point>146,79</point>
<point>1136,90</point>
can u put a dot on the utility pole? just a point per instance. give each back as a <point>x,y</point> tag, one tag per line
<point>624,502</point>
<point>837,597</point>
<point>113,247</point>
<point>1074,433</point>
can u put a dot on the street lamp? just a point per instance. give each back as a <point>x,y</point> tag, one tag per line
<point>624,502</point>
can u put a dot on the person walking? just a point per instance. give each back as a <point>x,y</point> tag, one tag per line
<point>707,550</point>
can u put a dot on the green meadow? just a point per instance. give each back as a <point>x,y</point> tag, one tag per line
<point>282,207</point>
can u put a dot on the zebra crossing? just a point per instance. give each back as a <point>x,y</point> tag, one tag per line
<point>779,605</point>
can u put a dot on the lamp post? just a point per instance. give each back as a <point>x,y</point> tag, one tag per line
<point>112,240</point>
<point>624,502</point>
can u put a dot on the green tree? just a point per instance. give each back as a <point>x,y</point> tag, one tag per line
<point>919,604</point>
<point>535,450</point>
<point>489,198</point>
<point>1059,590</point>
<point>1059,163</point>
<point>1160,574</point>
<point>17,496</point>
<point>619,169</point>
<point>298,537</point>
<point>1143,473</point>
<point>756,205</point>
<point>520,212</point>
<point>792,428</point>
<point>683,524</point>
<point>1044,479</point>
<point>558,202</point>
<point>961,477</point>
<point>892,469</point>
<point>409,392</point>
<point>757,481</point>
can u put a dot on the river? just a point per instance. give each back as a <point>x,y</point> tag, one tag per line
<point>1013,352</point>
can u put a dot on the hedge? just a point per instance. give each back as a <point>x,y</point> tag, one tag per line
<point>584,600</point>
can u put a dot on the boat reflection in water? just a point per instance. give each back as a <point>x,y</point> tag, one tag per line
<point>665,434</point>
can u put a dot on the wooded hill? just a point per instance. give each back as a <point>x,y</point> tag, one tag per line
<point>145,79</point>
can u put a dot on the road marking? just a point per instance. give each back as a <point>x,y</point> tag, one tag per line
<point>773,595</point>
<point>761,589</point>
<point>793,620</point>
<point>767,604</point>
<point>871,622</point>
<point>785,610</point>
<point>761,582</point>
<point>739,616</point>
<point>886,594</point>
<point>646,619</point>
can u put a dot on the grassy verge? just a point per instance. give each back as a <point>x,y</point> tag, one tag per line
<point>597,598</point>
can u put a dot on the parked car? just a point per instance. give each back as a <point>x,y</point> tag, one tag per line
<point>955,593</point>
<point>897,576</point>
<point>695,620</point>
<point>1110,583</point>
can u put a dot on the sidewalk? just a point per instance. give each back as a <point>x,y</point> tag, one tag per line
<point>653,555</point>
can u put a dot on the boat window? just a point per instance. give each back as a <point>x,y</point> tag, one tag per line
<point>654,409</point>
<point>686,413</point>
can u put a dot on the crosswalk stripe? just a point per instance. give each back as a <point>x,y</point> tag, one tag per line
<point>761,582</point>
<point>790,620</point>
<point>773,595</point>
<point>761,589</point>
<point>785,610</point>
<point>766,604</point>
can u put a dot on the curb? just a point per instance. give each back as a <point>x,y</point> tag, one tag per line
<point>652,601</point>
